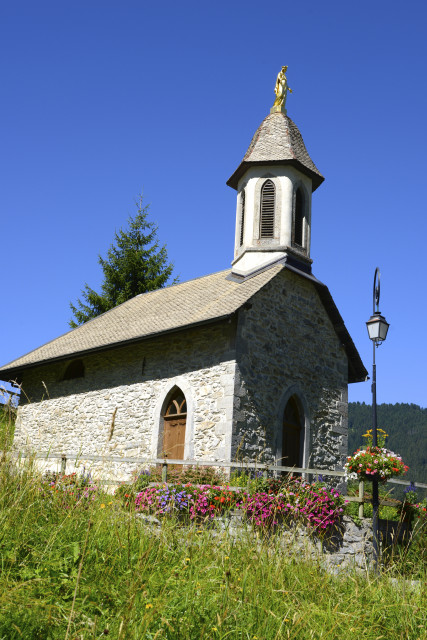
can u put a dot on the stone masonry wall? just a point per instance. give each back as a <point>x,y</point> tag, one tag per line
<point>133,382</point>
<point>286,344</point>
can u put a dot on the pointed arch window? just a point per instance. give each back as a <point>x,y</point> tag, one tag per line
<point>299,219</point>
<point>292,440</point>
<point>242,215</point>
<point>268,203</point>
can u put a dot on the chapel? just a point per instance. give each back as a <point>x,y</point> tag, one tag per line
<point>251,363</point>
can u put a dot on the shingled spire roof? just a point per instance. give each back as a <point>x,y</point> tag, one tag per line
<point>277,141</point>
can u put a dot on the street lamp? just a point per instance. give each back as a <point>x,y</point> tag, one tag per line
<point>377,329</point>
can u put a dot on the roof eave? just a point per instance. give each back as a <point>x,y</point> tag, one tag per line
<point>233,181</point>
<point>13,372</point>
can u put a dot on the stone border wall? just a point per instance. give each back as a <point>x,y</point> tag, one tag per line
<point>347,549</point>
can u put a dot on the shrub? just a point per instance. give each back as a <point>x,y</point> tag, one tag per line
<point>179,475</point>
<point>68,490</point>
<point>257,482</point>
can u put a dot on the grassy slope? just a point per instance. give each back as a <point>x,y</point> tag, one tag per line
<point>96,570</point>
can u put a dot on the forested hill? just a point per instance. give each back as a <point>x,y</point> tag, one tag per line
<point>406,425</point>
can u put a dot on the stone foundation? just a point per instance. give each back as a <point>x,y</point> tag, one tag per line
<point>347,549</point>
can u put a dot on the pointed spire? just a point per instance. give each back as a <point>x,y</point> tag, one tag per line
<point>277,141</point>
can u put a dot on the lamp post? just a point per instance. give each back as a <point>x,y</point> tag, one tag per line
<point>377,329</point>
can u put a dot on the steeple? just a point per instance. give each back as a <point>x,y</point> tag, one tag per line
<point>274,182</point>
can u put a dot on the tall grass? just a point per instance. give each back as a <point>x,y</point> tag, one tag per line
<point>7,427</point>
<point>87,568</point>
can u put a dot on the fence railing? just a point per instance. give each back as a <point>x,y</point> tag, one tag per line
<point>361,498</point>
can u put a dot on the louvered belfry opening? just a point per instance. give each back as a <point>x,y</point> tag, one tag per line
<point>242,215</point>
<point>299,219</point>
<point>268,198</point>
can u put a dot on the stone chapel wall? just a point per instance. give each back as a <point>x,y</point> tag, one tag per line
<point>286,344</point>
<point>76,415</point>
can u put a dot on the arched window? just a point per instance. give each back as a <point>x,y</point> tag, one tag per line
<point>292,434</point>
<point>75,369</point>
<point>298,226</point>
<point>268,201</point>
<point>242,215</point>
<point>175,419</point>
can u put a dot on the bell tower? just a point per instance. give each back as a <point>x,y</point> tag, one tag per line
<point>274,183</point>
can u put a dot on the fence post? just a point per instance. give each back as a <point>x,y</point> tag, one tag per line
<point>361,497</point>
<point>165,472</point>
<point>265,474</point>
<point>63,464</point>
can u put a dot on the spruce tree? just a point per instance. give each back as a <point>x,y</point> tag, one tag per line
<point>134,264</point>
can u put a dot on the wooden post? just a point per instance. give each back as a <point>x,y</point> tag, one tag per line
<point>165,471</point>
<point>361,497</point>
<point>265,474</point>
<point>63,464</point>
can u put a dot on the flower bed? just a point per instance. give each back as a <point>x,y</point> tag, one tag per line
<point>313,505</point>
<point>203,501</point>
<point>310,504</point>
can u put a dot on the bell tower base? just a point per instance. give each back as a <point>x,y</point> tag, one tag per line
<point>253,260</point>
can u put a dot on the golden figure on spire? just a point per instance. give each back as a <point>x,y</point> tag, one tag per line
<point>281,90</point>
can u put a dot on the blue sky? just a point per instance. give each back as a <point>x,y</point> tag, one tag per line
<point>102,100</point>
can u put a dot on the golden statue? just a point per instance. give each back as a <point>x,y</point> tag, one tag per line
<point>281,90</point>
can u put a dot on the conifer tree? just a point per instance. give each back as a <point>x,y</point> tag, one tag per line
<point>134,264</point>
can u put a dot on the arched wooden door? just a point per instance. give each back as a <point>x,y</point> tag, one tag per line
<point>175,418</point>
<point>292,434</point>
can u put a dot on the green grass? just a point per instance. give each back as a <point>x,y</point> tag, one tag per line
<point>7,427</point>
<point>95,570</point>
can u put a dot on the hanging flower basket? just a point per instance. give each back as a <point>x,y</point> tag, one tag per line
<point>374,463</point>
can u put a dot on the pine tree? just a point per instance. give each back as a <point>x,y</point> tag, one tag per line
<point>134,264</point>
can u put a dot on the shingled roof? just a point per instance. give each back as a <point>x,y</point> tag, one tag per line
<point>207,299</point>
<point>277,141</point>
<point>183,305</point>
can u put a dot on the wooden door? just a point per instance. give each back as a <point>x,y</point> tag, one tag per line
<point>292,432</point>
<point>175,419</point>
